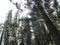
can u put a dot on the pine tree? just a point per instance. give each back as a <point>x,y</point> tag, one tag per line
<point>53,31</point>
<point>7,25</point>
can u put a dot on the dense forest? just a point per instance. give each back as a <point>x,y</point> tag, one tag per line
<point>39,26</point>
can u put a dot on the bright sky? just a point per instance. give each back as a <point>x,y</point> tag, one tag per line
<point>5,6</point>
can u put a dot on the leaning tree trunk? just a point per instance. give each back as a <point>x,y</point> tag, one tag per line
<point>53,31</point>
<point>1,37</point>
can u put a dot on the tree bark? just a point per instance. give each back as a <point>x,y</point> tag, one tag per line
<point>53,31</point>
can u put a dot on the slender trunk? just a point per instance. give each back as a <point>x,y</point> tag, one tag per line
<point>6,37</point>
<point>22,42</point>
<point>37,41</point>
<point>1,37</point>
<point>28,36</point>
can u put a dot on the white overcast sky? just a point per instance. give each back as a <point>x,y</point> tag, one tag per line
<point>5,6</point>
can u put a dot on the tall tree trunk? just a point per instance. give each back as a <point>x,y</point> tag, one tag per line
<point>38,41</point>
<point>22,41</point>
<point>28,38</point>
<point>6,37</point>
<point>53,31</point>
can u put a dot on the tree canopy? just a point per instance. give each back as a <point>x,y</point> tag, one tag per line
<point>39,25</point>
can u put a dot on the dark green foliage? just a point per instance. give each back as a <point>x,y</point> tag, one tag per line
<point>55,4</point>
<point>41,18</point>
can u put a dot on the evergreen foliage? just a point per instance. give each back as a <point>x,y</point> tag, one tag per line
<point>41,28</point>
